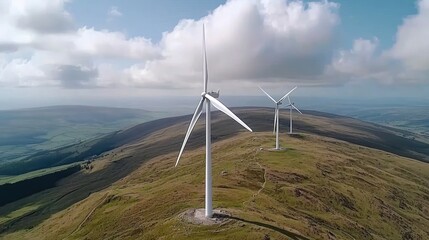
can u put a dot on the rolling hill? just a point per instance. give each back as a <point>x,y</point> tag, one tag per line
<point>398,117</point>
<point>25,131</point>
<point>340,178</point>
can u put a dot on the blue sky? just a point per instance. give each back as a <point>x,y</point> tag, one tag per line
<point>363,18</point>
<point>140,18</point>
<point>125,49</point>
<point>367,19</point>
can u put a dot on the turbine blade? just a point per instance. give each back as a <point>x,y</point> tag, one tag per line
<point>289,100</point>
<point>275,121</point>
<point>296,108</point>
<point>205,69</point>
<point>194,120</point>
<point>224,109</point>
<point>287,94</point>
<point>267,95</point>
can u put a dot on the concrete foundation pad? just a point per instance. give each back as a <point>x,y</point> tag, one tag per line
<point>276,150</point>
<point>197,216</point>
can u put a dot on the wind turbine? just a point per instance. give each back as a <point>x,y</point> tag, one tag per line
<point>208,98</point>
<point>291,107</point>
<point>276,114</point>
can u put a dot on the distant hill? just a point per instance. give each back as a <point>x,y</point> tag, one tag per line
<point>25,131</point>
<point>331,183</point>
<point>411,118</point>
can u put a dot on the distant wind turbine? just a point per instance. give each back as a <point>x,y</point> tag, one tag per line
<point>209,98</point>
<point>291,107</point>
<point>276,114</point>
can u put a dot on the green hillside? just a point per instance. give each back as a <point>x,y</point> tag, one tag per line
<point>319,187</point>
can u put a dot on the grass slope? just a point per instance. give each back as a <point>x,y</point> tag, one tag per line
<point>318,188</point>
<point>161,139</point>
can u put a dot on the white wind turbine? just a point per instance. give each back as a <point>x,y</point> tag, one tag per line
<point>209,98</point>
<point>291,107</point>
<point>276,114</point>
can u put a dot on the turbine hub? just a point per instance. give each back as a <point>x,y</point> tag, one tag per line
<point>203,94</point>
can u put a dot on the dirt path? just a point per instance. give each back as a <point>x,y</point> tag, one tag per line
<point>90,213</point>
<point>265,180</point>
<point>289,234</point>
<point>263,184</point>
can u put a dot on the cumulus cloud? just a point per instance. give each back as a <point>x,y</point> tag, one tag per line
<point>360,63</point>
<point>406,62</point>
<point>38,16</point>
<point>41,46</point>
<point>46,22</point>
<point>248,41</point>
<point>358,60</point>
<point>106,44</point>
<point>21,73</point>
<point>412,45</point>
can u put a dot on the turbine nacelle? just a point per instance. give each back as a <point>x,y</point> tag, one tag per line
<point>214,94</point>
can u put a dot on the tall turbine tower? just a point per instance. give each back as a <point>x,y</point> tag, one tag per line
<point>209,98</point>
<point>291,107</point>
<point>276,114</point>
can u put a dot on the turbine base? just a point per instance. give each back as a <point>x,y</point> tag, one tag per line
<point>277,149</point>
<point>196,216</point>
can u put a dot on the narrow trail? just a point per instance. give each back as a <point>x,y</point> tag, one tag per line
<point>265,180</point>
<point>89,214</point>
<point>289,234</point>
<point>263,184</point>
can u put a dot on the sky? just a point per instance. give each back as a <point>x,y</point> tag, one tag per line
<point>112,52</point>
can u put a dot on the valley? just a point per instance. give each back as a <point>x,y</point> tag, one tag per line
<point>26,131</point>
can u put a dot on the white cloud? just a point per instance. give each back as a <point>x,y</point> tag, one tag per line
<point>106,44</point>
<point>248,41</point>
<point>407,62</point>
<point>114,12</point>
<point>41,46</point>
<point>412,39</point>
<point>21,72</point>
<point>359,63</point>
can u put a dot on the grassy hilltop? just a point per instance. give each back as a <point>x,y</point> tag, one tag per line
<point>319,187</point>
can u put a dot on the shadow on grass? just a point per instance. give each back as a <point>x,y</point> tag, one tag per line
<point>265,225</point>
<point>296,135</point>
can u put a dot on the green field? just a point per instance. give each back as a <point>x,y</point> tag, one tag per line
<point>411,118</point>
<point>33,174</point>
<point>18,213</point>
